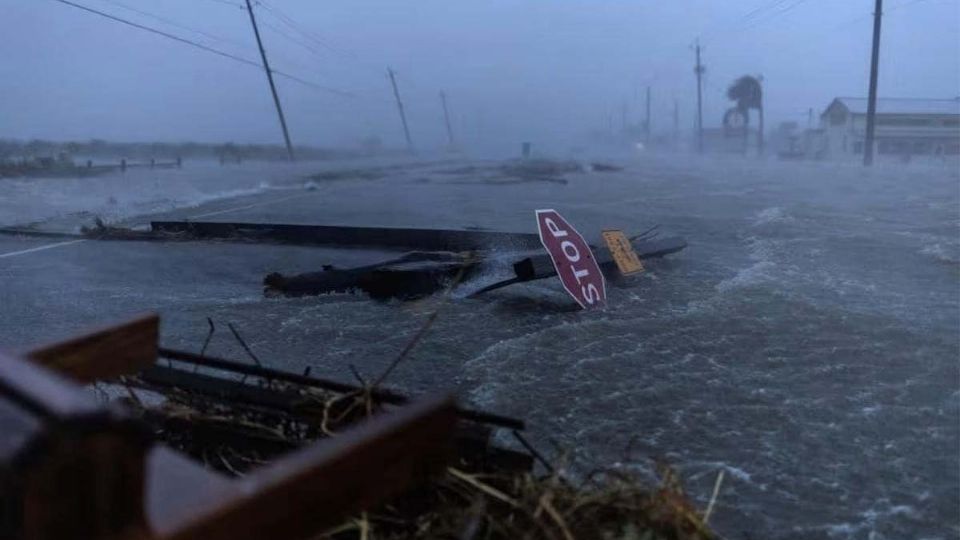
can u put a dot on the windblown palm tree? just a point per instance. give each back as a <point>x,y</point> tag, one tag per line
<point>748,94</point>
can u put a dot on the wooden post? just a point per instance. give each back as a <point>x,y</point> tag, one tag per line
<point>872,98</point>
<point>647,125</point>
<point>699,69</point>
<point>403,115</point>
<point>273,87</point>
<point>446,117</point>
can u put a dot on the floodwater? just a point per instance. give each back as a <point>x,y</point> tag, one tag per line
<point>806,342</point>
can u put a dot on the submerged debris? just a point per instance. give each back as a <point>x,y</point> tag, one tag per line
<point>394,467</point>
<point>526,170</point>
<point>478,496</point>
<point>605,167</point>
<point>349,174</point>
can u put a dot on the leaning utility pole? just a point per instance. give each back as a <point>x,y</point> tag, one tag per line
<point>446,117</point>
<point>699,69</point>
<point>676,121</point>
<point>403,115</point>
<point>872,99</point>
<point>273,87</point>
<point>647,126</point>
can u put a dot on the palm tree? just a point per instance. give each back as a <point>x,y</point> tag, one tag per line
<point>748,94</point>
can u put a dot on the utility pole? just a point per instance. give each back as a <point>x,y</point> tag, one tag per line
<point>647,127</point>
<point>623,117</point>
<point>446,117</point>
<point>760,142</point>
<point>676,121</point>
<point>273,87</point>
<point>403,115</point>
<point>872,99</point>
<point>699,69</point>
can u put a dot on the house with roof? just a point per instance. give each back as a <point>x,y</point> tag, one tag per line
<point>904,127</point>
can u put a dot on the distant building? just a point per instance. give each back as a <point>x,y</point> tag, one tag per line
<point>904,127</point>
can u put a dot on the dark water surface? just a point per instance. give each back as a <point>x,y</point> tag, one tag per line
<point>806,342</point>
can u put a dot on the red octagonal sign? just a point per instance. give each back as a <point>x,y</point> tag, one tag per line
<point>571,255</point>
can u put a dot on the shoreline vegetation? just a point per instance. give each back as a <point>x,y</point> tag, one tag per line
<point>19,158</point>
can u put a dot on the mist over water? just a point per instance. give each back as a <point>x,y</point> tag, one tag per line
<point>806,343</point>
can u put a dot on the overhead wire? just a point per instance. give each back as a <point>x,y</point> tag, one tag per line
<point>337,51</point>
<point>307,34</point>
<point>212,50</point>
<point>229,3</point>
<point>812,43</point>
<point>773,15</point>
<point>291,39</point>
<point>763,7</point>
<point>737,24</point>
<point>172,22</point>
<point>379,72</point>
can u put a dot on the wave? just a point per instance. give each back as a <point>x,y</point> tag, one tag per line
<point>771,215</point>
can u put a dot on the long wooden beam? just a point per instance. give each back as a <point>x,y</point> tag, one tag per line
<point>382,237</point>
<point>164,376</point>
<point>322,485</point>
<point>105,353</point>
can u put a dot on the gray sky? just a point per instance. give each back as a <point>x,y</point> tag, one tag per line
<point>513,69</point>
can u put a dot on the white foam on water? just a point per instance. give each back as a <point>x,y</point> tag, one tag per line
<point>752,275</point>
<point>773,214</point>
<point>940,253</point>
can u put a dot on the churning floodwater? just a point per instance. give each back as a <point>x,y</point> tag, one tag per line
<point>806,342</point>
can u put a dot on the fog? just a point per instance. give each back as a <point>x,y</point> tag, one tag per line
<point>794,325</point>
<point>546,71</point>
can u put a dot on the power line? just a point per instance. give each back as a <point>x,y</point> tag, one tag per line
<point>756,12</point>
<point>273,87</point>
<point>292,39</point>
<point>774,15</point>
<point>290,22</point>
<point>738,23</point>
<point>758,17</point>
<point>205,48</point>
<point>299,29</point>
<point>171,22</point>
<point>161,33</point>
<point>229,3</point>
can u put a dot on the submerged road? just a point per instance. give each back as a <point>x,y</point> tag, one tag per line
<point>806,342</point>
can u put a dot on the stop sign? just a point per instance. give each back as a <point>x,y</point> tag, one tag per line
<point>571,255</point>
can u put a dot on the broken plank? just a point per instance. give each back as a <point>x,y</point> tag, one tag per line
<point>321,485</point>
<point>378,394</point>
<point>540,266</point>
<point>109,352</point>
<point>382,237</point>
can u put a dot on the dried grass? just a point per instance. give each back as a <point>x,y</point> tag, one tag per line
<point>461,503</point>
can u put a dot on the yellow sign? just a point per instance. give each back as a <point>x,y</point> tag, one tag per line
<point>622,251</point>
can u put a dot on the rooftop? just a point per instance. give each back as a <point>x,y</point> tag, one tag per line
<point>902,105</point>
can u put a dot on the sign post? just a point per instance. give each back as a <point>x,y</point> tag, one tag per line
<point>573,260</point>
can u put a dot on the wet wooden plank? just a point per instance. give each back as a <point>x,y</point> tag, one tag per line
<point>49,396</point>
<point>321,485</point>
<point>106,353</point>
<point>168,377</point>
<point>384,237</point>
<point>176,486</point>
